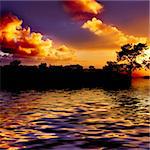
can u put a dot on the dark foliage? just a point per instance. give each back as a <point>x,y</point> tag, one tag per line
<point>114,74</point>
<point>127,59</point>
<point>129,53</point>
<point>73,76</point>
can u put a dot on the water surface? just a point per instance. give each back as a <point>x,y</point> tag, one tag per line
<point>89,119</point>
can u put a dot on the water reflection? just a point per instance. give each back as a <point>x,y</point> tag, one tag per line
<point>78,119</point>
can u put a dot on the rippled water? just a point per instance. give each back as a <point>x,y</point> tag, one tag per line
<point>90,119</point>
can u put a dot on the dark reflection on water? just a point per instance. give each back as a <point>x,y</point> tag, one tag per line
<point>76,119</point>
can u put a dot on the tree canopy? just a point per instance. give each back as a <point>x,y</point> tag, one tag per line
<point>130,58</point>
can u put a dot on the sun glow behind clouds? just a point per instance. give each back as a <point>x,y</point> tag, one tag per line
<point>110,33</point>
<point>21,41</point>
<point>83,9</point>
<point>145,56</point>
<point>96,50</point>
<point>85,6</point>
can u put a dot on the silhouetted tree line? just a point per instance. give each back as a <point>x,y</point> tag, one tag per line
<point>19,76</point>
<point>129,58</point>
<point>114,74</point>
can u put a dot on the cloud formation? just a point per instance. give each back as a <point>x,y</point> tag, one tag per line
<point>111,34</point>
<point>81,9</point>
<point>22,42</point>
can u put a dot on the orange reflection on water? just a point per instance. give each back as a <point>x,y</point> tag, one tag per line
<point>83,118</point>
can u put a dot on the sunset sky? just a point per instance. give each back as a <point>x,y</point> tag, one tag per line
<point>86,32</point>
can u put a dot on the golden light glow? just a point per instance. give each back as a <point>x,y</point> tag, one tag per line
<point>79,8</point>
<point>143,71</point>
<point>90,6</point>
<point>18,40</point>
<point>117,38</point>
<point>111,33</point>
<point>145,56</point>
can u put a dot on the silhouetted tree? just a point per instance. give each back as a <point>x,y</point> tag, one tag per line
<point>91,67</point>
<point>15,63</point>
<point>74,67</point>
<point>43,66</point>
<point>129,55</point>
<point>112,66</point>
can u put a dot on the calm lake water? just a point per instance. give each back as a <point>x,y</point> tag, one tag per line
<point>91,119</point>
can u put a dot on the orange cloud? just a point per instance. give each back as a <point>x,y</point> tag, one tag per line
<point>111,34</point>
<point>17,40</point>
<point>80,8</point>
